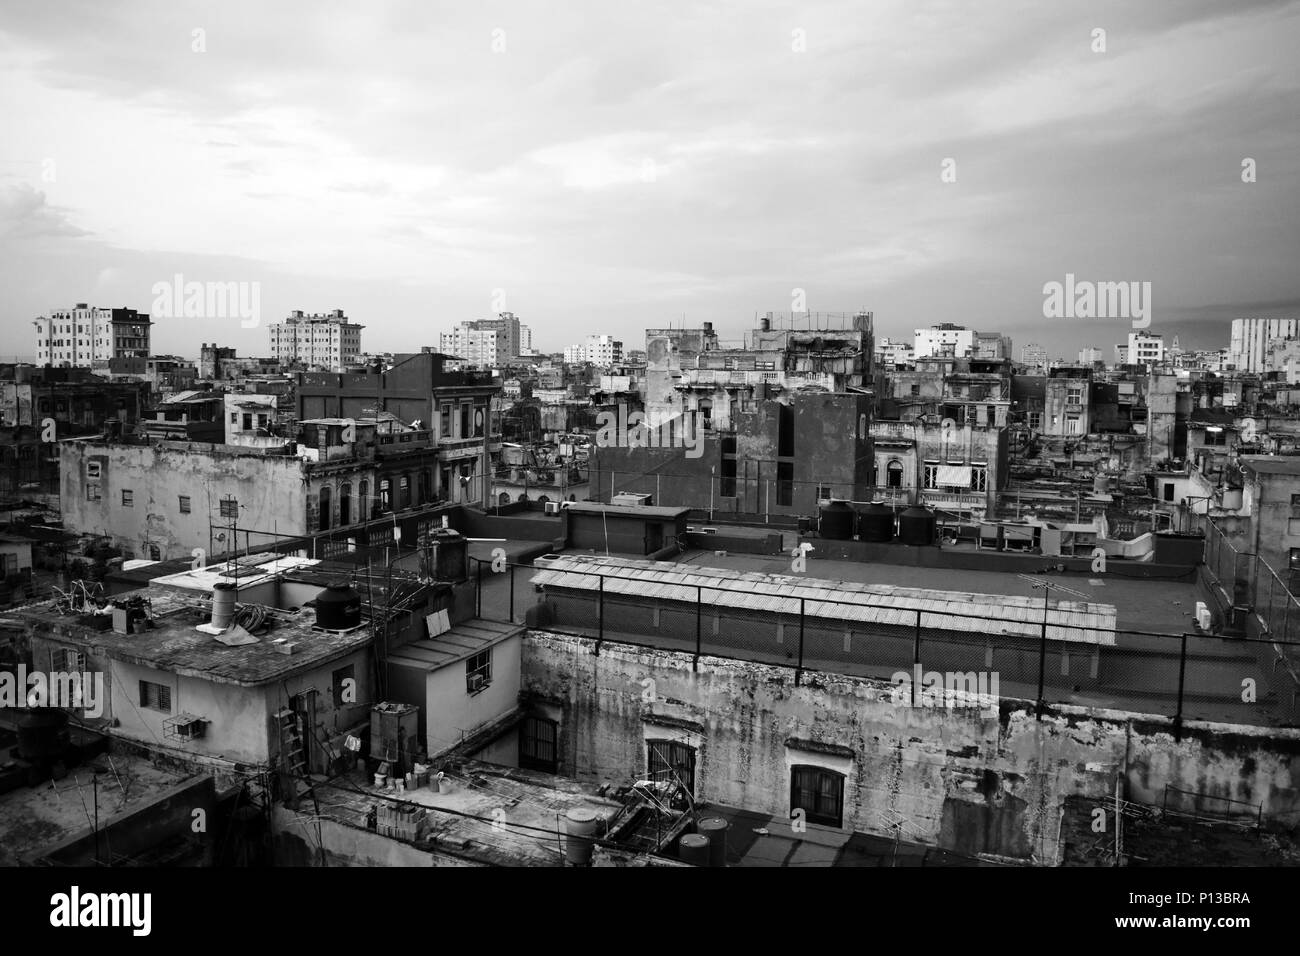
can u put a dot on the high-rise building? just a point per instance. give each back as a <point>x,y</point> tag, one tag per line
<point>85,337</point>
<point>1252,338</point>
<point>486,343</point>
<point>1091,355</point>
<point>1144,348</point>
<point>327,341</point>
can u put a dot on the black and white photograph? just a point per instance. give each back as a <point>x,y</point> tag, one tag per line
<point>649,436</point>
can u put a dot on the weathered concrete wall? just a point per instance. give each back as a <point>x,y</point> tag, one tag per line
<point>298,838</point>
<point>964,779</point>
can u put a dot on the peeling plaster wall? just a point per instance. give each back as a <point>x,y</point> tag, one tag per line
<point>965,779</point>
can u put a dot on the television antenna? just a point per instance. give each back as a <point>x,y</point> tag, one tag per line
<point>1048,586</point>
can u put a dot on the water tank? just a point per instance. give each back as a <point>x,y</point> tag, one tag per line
<point>223,603</point>
<point>837,519</point>
<point>876,522</point>
<point>1101,484</point>
<point>42,734</point>
<point>693,848</point>
<point>580,829</point>
<point>338,607</point>
<point>916,526</point>
<point>715,828</point>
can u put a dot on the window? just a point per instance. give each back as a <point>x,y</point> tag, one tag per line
<point>823,492</point>
<point>668,761</point>
<point>916,390</point>
<point>785,483</point>
<point>478,671</point>
<point>1295,506</point>
<point>234,418</point>
<point>185,504</point>
<point>229,507</point>
<point>445,430</point>
<point>1074,395</point>
<point>385,494</point>
<point>156,696</point>
<point>538,739</point>
<point>1072,424</point>
<point>894,474</point>
<point>819,793</point>
<point>1216,436</point>
<point>67,661</point>
<point>93,492</point>
<point>1035,420</point>
<point>931,475</point>
<point>128,498</point>
<point>94,470</point>
<point>979,477</point>
<point>344,684</point>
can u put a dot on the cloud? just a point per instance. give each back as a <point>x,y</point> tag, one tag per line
<point>25,214</point>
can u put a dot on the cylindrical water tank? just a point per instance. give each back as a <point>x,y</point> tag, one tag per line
<point>837,519</point>
<point>693,848</point>
<point>42,734</point>
<point>338,607</point>
<point>916,526</point>
<point>876,522</point>
<point>580,828</point>
<point>1101,484</point>
<point>715,828</point>
<point>223,603</point>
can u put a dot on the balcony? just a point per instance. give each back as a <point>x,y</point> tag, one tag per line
<point>954,499</point>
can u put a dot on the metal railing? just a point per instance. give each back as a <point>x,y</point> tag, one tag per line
<point>1042,659</point>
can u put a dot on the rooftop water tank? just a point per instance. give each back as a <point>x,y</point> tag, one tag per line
<point>338,607</point>
<point>916,526</point>
<point>876,522</point>
<point>837,519</point>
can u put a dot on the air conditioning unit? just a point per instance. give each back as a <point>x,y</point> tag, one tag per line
<point>551,507</point>
<point>476,682</point>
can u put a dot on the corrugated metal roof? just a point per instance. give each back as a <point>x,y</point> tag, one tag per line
<point>880,604</point>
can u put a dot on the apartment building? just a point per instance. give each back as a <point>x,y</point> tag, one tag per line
<point>327,341</point>
<point>86,337</point>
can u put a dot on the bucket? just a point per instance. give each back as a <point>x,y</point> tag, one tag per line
<point>693,848</point>
<point>715,828</point>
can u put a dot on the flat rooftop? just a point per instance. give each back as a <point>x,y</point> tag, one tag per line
<point>469,800</point>
<point>35,818</point>
<point>1142,604</point>
<point>462,641</point>
<point>175,644</point>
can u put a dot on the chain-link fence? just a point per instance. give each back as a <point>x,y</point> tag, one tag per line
<point>936,657</point>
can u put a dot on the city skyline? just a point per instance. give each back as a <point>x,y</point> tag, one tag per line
<point>622,179</point>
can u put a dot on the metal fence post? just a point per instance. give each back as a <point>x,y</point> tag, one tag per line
<point>699,621</point>
<point>512,594</point>
<point>478,595</point>
<point>1042,667</point>
<point>916,655</point>
<point>1182,670</point>
<point>600,614</point>
<point>799,670</point>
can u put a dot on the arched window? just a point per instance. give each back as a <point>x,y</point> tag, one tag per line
<point>324,508</point>
<point>503,498</point>
<point>894,474</point>
<point>543,499</point>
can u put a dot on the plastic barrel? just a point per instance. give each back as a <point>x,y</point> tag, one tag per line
<point>715,828</point>
<point>693,848</point>
<point>580,828</point>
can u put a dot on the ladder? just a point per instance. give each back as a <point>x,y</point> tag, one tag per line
<point>293,756</point>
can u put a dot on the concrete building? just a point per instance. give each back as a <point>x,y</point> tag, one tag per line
<point>957,468</point>
<point>485,343</point>
<point>1271,497</point>
<point>40,407</point>
<point>86,337</point>
<point>223,364</point>
<point>946,339</point>
<point>1143,348</point>
<point>328,341</point>
<point>1251,340</point>
<point>1091,356</point>
<point>602,350</point>
<point>890,354</point>
<point>782,456</point>
<point>453,407</point>
<point>1067,408</point>
<point>1034,356</point>
<point>991,346</point>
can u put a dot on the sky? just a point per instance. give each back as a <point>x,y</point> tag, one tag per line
<point>612,167</point>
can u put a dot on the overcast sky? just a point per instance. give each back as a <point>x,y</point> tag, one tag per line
<point>612,166</point>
